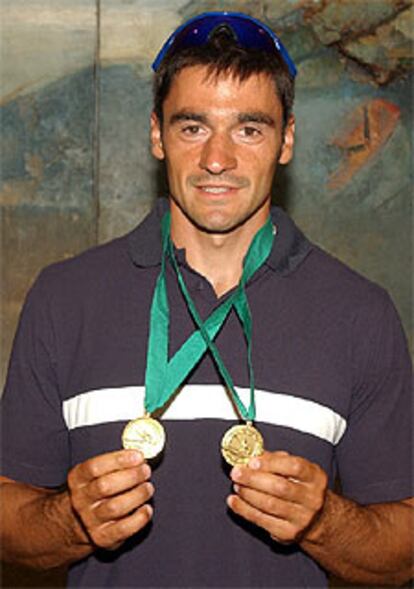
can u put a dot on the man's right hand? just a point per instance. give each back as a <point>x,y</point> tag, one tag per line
<point>109,493</point>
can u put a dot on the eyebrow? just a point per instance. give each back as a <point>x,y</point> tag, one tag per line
<point>256,117</point>
<point>186,115</point>
<point>246,117</point>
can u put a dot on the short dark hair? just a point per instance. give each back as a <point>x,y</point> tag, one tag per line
<point>223,54</point>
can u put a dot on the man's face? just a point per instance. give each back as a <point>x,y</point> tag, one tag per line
<point>222,140</point>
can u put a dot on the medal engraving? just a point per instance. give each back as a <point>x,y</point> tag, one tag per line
<point>144,434</point>
<point>240,443</point>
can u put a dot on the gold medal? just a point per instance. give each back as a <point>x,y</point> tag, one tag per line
<point>144,434</point>
<point>240,443</point>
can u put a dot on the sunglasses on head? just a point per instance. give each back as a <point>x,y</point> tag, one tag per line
<point>249,32</point>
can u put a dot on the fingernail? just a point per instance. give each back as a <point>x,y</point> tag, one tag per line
<point>146,471</point>
<point>236,473</point>
<point>236,488</point>
<point>150,489</point>
<point>149,509</point>
<point>230,500</point>
<point>131,457</point>
<point>254,463</point>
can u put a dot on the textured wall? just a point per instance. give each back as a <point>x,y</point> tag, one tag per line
<point>75,102</point>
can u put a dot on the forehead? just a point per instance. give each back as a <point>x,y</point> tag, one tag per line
<point>196,89</point>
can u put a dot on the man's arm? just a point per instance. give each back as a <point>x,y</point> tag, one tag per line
<point>287,496</point>
<point>371,545</point>
<point>104,504</point>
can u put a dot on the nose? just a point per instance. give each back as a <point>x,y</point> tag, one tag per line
<point>217,155</point>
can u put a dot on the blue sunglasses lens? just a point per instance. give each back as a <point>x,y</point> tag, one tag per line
<point>249,33</point>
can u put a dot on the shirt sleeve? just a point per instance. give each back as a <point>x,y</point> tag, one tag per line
<point>374,457</point>
<point>35,442</point>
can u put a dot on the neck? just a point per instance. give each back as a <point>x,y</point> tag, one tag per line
<point>217,257</point>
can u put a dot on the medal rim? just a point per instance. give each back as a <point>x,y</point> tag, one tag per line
<point>259,446</point>
<point>157,425</point>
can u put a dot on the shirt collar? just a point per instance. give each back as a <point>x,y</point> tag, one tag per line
<point>144,242</point>
<point>290,246</point>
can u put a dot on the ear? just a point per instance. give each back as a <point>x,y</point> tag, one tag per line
<point>157,148</point>
<point>286,153</point>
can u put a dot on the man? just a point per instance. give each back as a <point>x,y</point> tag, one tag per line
<point>225,290</point>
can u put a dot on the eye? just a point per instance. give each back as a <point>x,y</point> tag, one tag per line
<point>250,132</point>
<point>191,130</point>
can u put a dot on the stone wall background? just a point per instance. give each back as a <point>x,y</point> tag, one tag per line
<point>75,103</point>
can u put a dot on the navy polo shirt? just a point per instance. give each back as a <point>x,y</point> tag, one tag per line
<point>332,375</point>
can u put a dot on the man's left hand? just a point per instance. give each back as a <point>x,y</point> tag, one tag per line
<point>281,493</point>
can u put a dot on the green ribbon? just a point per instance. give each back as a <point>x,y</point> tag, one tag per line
<point>163,377</point>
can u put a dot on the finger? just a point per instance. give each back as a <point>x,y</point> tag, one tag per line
<point>112,534</point>
<point>103,464</point>
<point>280,528</point>
<point>284,542</point>
<point>115,483</point>
<point>287,465</point>
<point>270,484</point>
<point>122,505</point>
<point>294,513</point>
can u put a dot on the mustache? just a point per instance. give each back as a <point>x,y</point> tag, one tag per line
<point>213,180</point>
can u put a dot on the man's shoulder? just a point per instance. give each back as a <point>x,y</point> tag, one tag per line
<point>318,273</point>
<point>96,261</point>
<point>333,269</point>
<point>331,279</point>
<point>111,260</point>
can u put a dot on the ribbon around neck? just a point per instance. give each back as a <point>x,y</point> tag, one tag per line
<point>164,376</point>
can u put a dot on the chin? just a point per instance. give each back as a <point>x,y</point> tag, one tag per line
<point>216,223</point>
<point>218,218</point>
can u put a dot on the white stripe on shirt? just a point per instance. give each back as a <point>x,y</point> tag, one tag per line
<point>205,402</point>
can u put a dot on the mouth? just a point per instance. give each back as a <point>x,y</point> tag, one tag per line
<point>217,189</point>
